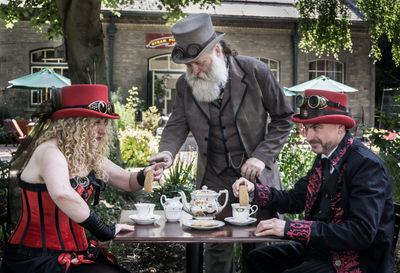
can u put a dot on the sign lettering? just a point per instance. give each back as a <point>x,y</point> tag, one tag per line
<point>160,41</point>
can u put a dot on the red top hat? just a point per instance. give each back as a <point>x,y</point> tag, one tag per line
<point>85,100</point>
<point>320,106</point>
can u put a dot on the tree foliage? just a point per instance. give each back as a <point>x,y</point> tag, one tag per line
<point>40,13</point>
<point>325,25</point>
<point>321,21</point>
<point>45,13</point>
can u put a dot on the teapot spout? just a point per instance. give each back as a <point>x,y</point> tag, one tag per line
<point>184,202</point>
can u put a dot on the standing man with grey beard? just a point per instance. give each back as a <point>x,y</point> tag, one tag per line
<point>237,113</point>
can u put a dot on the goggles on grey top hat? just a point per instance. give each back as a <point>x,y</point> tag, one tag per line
<point>194,35</point>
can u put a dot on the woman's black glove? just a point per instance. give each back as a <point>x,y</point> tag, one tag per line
<point>141,177</point>
<point>98,228</point>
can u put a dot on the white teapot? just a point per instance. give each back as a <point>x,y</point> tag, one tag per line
<point>172,208</point>
<point>204,203</point>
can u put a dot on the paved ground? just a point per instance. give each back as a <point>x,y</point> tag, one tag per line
<point>5,151</point>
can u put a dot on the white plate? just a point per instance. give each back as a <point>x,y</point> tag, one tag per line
<point>142,221</point>
<point>232,221</point>
<point>188,223</point>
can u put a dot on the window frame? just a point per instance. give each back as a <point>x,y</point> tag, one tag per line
<point>326,72</point>
<point>171,68</point>
<point>55,63</point>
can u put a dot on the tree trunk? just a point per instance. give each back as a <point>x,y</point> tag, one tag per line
<point>83,37</point>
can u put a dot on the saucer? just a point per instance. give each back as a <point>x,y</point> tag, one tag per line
<point>232,221</point>
<point>146,221</point>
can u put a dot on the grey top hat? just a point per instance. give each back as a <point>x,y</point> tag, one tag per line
<point>194,35</point>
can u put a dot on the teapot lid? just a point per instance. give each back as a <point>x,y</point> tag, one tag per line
<point>204,191</point>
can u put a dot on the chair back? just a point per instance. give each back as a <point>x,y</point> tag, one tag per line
<point>396,224</point>
<point>9,126</point>
<point>16,125</point>
<point>14,131</point>
<point>24,124</point>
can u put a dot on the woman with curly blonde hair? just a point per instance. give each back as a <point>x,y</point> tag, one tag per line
<point>67,163</point>
<point>77,150</point>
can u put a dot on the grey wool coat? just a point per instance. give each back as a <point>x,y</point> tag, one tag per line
<point>254,94</point>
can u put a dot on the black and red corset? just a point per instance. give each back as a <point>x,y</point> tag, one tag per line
<point>44,228</point>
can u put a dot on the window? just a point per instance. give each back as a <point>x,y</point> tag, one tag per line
<point>164,63</point>
<point>331,69</point>
<point>273,65</point>
<point>164,74</point>
<point>45,58</point>
<point>39,95</point>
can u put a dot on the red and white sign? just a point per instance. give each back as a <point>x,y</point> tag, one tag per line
<point>160,41</point>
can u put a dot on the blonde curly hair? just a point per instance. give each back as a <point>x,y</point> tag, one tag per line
<point>76,139</point>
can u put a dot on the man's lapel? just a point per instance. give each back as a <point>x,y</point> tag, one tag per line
<point>237,85</point>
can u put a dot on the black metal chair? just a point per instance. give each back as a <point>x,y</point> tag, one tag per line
<point>396,224</point>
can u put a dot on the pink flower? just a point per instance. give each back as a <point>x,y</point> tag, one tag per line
<point>389,135</point>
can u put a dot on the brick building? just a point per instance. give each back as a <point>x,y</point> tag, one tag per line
<point>261,29</point>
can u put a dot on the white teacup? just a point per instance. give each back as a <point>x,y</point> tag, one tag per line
<point>145,210</point>
<point>242,213</point>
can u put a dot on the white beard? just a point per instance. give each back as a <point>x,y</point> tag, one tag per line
<point>206,85</point>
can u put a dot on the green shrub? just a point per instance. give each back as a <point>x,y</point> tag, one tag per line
<point>295,159</point>
<point>136,146</point>
<point>160,90</point>
<point>181,176</point>
<point>127,111</point>
<point>387,142</point>
<point>392,164</point>
<point>115,152</point>
<point>150,121</point>
<point>389,121</point>
<point>4,171</point>
<point>387,145</point>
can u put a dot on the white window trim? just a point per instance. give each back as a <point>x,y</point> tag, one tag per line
<point>53,63</point>
<point>277,65</point>
<point>326,71</point>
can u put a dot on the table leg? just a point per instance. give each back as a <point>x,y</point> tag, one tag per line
<point>194,258</point>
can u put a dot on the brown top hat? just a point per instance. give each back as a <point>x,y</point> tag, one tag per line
<point>194,35</point>
<point>85,100</point>
<point>320,106</point>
